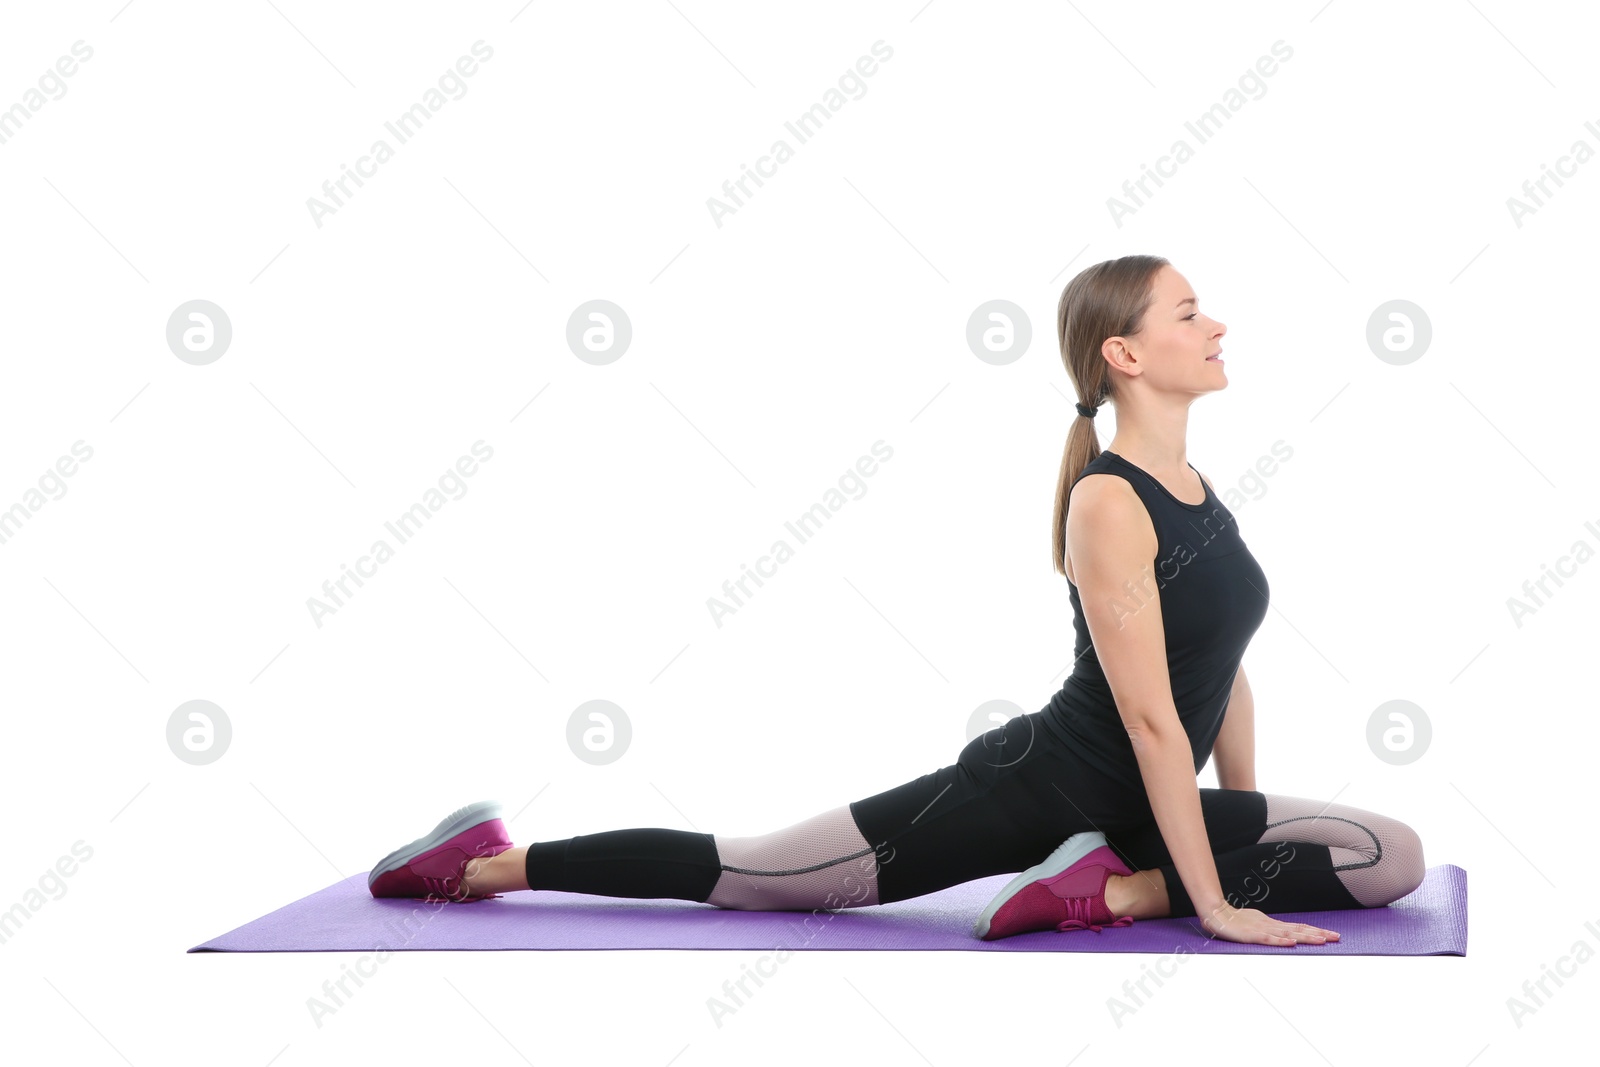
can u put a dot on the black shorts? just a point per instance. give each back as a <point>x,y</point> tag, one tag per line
<point>1013,795</point>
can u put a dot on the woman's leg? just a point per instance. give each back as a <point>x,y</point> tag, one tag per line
<point>1276,854</point>
<point>994,811</point>
<point>820,862</point>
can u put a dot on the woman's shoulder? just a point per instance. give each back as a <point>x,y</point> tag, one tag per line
<point>1105,504</point>
<point>1106,498</point>
<point>1106,464</point>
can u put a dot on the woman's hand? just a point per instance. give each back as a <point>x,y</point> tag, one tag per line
<point>1248,926</point>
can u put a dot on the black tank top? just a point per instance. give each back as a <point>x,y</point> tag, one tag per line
<point>1213,598</point>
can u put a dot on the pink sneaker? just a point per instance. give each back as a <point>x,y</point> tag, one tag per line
<point>1065,892</point>
<point>431,867</point>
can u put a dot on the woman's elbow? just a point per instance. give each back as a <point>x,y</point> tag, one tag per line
<point>1153,733</point>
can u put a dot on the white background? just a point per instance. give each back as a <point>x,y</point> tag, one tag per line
<point>768,355</point>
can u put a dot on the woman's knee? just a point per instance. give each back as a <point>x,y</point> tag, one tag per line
<point>1396,868</point>
<point>1379,859</point>
<point>1403,850</point>
<point>822,862</point>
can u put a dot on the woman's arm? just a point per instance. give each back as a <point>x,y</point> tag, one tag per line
<point>1113,544</point>
<point>1235,750</point>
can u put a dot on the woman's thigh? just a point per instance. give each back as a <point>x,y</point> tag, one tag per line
<point>1377,858</point>
<point>1234,818</point>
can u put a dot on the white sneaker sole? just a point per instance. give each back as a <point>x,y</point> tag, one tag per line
<point>1069,852</point>
<point>458,821</point>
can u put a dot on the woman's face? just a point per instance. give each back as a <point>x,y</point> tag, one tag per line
<point>1176,337</point>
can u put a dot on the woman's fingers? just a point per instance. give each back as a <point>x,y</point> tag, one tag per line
<point>1304,933</point>
<point>1254,927</point>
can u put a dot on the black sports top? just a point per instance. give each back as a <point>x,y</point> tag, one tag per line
<point>1213,598</point>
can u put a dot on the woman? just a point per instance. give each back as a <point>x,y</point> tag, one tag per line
<point>1166,597</point>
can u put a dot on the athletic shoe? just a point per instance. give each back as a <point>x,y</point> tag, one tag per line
<point>431,867</point>
<point>1065,892</point>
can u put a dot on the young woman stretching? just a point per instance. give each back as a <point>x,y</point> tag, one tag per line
<point>1166,597</point>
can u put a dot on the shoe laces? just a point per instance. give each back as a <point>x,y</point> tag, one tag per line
<point>453,888</point>
<point>1081,916</point>
<point>440,889</point>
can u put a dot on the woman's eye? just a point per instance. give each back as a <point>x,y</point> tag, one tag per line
<point>1191,316</point>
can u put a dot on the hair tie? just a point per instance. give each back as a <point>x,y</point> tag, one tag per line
<point>1086,412</point>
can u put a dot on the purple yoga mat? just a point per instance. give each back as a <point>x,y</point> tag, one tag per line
<point>344,918</point>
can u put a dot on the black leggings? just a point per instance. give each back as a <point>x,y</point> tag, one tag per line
<point>1012,796</point>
